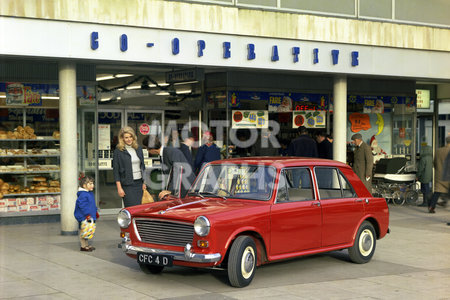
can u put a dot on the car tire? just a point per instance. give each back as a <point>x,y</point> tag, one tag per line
<point>365,242</point>
<point>149,269</point>
<point>242,261</point>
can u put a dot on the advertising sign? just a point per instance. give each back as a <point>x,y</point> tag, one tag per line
<point>309,119</point>
<point>250,119</point>
<point>104,137</point>
<point>144,129</point>
<point>423,98</point>
<point>19,94</point>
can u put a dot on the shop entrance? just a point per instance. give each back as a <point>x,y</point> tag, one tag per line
<point>99,137</point>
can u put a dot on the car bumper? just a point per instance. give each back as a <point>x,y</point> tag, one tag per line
<point>187,255</point>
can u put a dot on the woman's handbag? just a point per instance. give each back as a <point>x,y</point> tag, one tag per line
<point>87,229</point>
<point>147,198</point>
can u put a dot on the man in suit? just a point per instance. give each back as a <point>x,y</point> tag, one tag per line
<point>304,145</point>
<point>174,166</point>
<point>324,147</point>
<point>363,161</point>
<point>186,146</point>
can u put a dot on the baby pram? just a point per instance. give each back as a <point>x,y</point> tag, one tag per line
<point>395,180</point>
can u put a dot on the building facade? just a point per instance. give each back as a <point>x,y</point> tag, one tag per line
<point>79,71</point>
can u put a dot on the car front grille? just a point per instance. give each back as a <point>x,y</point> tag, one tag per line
<point>165,233</point>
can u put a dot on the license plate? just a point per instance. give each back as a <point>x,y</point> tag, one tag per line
<point>154,259</point>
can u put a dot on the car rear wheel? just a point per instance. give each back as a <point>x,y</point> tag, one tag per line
<point>242,261</point>
<point>364,247</point>
<point>149,269</point>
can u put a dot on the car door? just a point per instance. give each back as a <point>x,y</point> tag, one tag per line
<point>341,209</point>
<point>296,216</point>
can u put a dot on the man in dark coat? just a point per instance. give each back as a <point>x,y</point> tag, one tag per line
<point>304,145</point>
<point>174,165</point>
<point>324,147</point>
<point>185,147</point>
<point>441,186</point>
<point>363,161</point>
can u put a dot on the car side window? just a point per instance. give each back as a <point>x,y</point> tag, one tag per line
<point>332,183</point>
<point>282,188</point>
<point>328,183</point>
<point>347,189</point>
<point>297,185</point>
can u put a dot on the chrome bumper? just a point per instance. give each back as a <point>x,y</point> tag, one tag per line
<point>188,255</point>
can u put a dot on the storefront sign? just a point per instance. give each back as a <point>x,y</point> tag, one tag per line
<point>135,45</point>
<point>250,119</point>
<point>104,136</point>
<point>185,75</point>
<point>309,119</point>
<point>423,98</point>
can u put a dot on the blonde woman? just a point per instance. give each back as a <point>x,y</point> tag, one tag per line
<point>128,168</point>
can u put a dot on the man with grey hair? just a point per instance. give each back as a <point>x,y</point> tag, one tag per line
<point>441,187</point>
<point>363,160</point>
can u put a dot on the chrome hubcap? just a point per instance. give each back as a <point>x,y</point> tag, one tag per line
<point>366,242</point>
<point>248,262</point>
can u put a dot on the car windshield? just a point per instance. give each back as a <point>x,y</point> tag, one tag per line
<point>236,181</point>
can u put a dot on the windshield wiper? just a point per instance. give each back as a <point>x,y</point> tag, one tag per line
<point>212,194</point>
<point>195,194</point>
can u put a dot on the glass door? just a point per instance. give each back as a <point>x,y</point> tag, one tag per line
<point>145,123</point>
<point>109,124</point>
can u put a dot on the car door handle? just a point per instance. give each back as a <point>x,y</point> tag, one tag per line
<point>361,200</point>
<point>316,203</point>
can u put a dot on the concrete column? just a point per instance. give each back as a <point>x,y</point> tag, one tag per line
<point>340,119</point>
<point>68,145</point>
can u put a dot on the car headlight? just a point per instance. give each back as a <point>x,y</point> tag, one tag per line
<point>124,218</point>
<point>201,226</point>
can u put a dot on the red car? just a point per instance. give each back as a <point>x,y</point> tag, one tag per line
<point>242,213</point>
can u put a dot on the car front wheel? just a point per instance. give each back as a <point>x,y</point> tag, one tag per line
<point>242,261</point>
<point>364,247</point>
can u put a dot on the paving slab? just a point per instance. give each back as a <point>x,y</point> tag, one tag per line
<point>413,262</point>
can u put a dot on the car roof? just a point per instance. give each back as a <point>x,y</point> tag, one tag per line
<point>282,161</point>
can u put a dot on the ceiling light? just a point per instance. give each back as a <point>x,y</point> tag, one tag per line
<point>187,82</point>
<point>133,87</point>
<point>106,77</point>
<point>49,97</point>
<point>184,92</point>
<point>162,94</point>
<point>123,75</point>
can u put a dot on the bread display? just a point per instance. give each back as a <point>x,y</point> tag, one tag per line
<point>41,185</point>
<point>29,180</point>
<point>19,133</point>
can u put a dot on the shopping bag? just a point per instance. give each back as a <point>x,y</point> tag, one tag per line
<point>147,198</point>
<point>87,229</point>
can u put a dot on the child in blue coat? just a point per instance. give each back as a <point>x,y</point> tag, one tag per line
<point>85,208</point>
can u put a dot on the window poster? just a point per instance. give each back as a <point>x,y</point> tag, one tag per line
<point>250,119</point>
<point>309,119</point>
<point>104,137</point>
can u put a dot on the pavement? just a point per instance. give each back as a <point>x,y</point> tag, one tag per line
<point>412,262</point>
